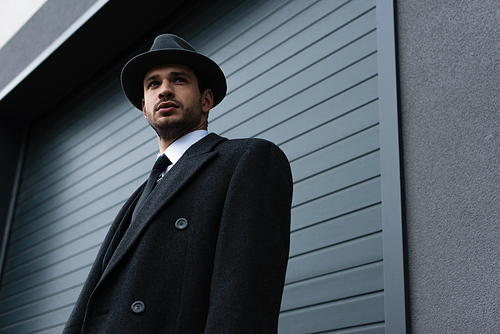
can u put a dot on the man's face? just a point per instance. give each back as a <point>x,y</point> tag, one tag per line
<point>173,104</point>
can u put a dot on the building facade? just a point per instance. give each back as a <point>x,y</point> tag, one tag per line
<point>386,110</point>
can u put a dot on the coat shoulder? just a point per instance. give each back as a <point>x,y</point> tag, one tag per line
<point>246,145</point>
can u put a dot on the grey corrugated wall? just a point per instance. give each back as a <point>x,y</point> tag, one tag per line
<point>301,74</point>
<point>305,77</point>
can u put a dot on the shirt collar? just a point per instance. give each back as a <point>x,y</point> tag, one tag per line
<point>175,151</point>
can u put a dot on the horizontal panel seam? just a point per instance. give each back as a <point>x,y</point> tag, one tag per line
<point>336,191</point>
<point>34,273</point>
<point>80,181</point>
<point>336,166</point>
<point>34,287</point>
<point>333,272</point>
<point>295,74</point>
<point>333,301</point>
<point>333,143</point>
<point>335,244</point>
<point>221,63</point>
<point>326,122</point>
<point>78,155</point>
<point>293,36</point>
<point>336,217</point>
<point>257,22</point>
<point>80,208</point>
<point>361,326</point>
<point>286,99</point>
<point>35,301</point>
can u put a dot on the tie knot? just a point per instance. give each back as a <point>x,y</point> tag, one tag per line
<point>161,163</point>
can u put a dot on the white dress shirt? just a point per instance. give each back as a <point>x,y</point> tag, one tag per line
<point>175,151</point>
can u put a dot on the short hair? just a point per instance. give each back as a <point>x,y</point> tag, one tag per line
<point>202,83</point>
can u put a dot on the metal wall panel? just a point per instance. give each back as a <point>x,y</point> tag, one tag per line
<point>302,74</point>
<point>80,166</point>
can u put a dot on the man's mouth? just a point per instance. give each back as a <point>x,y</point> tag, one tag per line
<point>167,106</point>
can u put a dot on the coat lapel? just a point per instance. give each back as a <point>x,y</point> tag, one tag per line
<point>187,166</point>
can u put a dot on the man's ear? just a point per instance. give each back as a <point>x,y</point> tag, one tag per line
<point>144,107</point>
<point>207,100</point>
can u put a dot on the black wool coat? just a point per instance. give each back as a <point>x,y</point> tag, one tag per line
<point>207,252</point>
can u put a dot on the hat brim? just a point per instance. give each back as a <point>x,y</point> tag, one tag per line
<point>133,72</point>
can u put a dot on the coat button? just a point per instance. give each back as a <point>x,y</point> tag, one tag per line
<point>181,224</point>
<point>138,307</point>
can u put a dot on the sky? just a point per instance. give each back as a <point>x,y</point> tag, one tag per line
<point>14,14</point>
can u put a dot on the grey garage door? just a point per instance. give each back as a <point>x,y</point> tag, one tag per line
<point>302,74</point>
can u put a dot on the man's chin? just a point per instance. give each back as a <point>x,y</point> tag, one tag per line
<point>171,130</point>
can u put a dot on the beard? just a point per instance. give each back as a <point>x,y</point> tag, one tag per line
<point>169,128</point>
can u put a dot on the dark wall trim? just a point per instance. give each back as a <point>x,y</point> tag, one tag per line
<point>391,180</point>
<point>42,32</point>
<point>76,61</point>
<point>13,198</point>
<point>90,46</point>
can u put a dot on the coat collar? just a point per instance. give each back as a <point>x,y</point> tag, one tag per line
<point>187,166</point>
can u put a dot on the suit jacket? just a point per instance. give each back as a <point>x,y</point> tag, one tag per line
<point>207,252</point>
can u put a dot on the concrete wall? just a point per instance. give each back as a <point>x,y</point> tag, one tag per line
<point>449,54</point>
<point>47,24</point>
<point>14,14</point>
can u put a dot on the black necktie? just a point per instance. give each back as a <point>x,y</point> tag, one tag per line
<point>160,165</point>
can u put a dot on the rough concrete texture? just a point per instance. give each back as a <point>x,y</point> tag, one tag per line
<point>47,24</point>
<point>449,54</point>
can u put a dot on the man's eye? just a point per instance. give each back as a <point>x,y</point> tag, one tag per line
<point>180,80</point>
<point>153,83</point>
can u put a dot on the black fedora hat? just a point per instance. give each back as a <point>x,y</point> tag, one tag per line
<point>171,49</point>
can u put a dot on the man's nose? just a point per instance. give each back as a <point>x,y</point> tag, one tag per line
<point>165,90</point>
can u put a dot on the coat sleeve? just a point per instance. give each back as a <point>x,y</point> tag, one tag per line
<point>75,322</point>
<point>253,244</point>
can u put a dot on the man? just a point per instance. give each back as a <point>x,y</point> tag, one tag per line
<point>205,248</point>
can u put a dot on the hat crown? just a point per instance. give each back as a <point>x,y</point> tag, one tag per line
<point>171,42</point>
<point>171,49</point>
